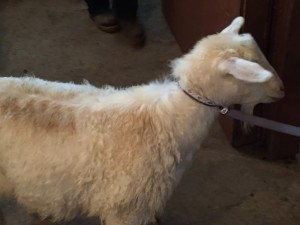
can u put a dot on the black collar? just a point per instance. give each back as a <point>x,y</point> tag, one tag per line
<point>203,101</point>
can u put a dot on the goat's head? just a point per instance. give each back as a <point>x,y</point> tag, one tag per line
<point>229,68</point>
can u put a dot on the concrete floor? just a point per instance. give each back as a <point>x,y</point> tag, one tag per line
<point>55,40</point>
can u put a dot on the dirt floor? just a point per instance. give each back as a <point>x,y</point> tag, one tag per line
<point>55,40</point>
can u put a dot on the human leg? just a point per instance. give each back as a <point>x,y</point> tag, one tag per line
<point>126,11</point>
<point>102,15</point>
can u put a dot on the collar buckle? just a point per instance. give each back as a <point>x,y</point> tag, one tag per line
<point>224,110</point>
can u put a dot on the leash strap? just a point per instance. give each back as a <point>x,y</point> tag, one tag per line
<point>255,120</point>
<point>265,123</point>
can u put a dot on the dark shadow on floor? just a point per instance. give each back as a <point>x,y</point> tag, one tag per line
<point>4,45</point>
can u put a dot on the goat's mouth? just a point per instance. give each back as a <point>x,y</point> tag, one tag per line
<point>274,99</point>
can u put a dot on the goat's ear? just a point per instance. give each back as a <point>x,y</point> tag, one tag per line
<point>245,70</point>
<point>235,26</point>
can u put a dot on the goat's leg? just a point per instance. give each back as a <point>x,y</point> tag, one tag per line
<point>155,221</point>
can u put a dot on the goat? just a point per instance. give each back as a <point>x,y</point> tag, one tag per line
<point>68,149</point>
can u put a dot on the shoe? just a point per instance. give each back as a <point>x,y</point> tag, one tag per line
<point>106,22</point>
<point>134,33</point>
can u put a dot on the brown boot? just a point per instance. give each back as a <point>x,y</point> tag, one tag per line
<point>106,22</point>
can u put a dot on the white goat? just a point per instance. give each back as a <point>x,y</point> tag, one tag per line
<point>69,149</point>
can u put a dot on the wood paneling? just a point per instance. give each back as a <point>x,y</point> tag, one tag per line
<point>284,54</point>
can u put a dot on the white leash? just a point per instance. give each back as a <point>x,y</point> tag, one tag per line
<point>265,123</point>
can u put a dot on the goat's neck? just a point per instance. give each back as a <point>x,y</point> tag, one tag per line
<point>191,119</point>
<point>190,122</point>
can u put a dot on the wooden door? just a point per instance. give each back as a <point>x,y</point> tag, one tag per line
<point>284,54</point>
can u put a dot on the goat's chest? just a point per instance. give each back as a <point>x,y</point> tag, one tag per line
<point>184,164</point>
